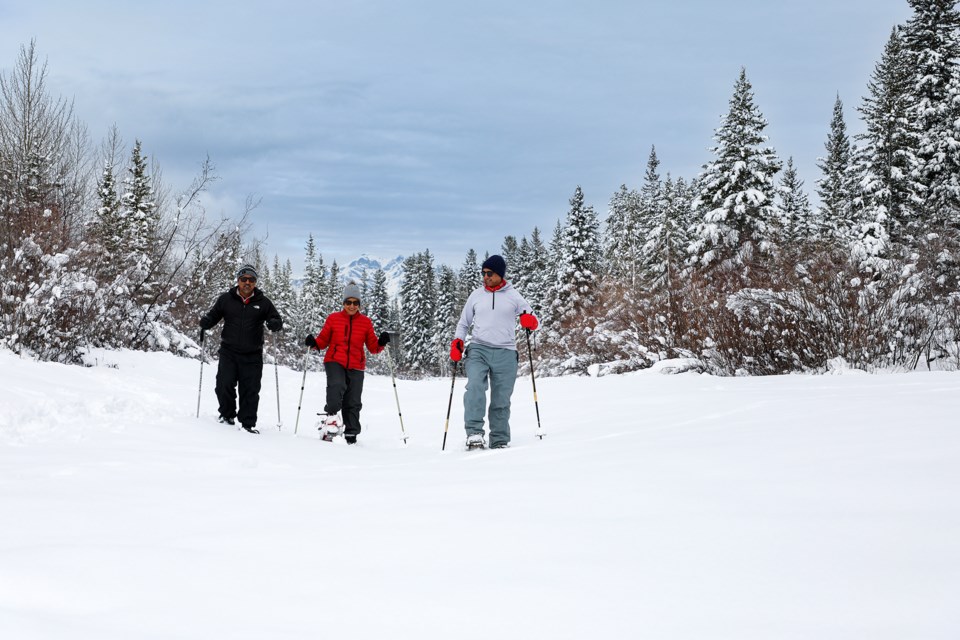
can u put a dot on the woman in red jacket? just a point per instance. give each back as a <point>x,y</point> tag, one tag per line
<point>344,335</point>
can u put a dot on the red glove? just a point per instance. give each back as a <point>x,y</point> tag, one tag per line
<point>456,350</point>
<point>528,321</point>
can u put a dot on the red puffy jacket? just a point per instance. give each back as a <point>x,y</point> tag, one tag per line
<point>343,336</point>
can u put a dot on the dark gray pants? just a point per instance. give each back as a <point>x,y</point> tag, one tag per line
<point>344,388</point>
<point>243,370</point>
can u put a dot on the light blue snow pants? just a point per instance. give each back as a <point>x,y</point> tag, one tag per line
<point>500,366</point>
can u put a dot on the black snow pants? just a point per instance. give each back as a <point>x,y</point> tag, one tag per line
<point>344,388</point>
<point>245,370</point>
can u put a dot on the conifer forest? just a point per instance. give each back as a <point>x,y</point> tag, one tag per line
<point>741,269</point>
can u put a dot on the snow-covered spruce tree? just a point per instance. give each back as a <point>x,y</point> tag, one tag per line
<point>650,216</point>
<point>417,309</point>
<point>802,225</point>
<point>468,278</point>
<point>335,286</point>
<point>508,251</point>
<point>519,272</point>
<point>314,305</point>
<point>377,304</point>
<point>575,292</point>
<point>537,284</point>
<point>889,194</point>
<point>550,318</point>
<point>736,207</point>
<point>836,188</point>
<point>622,235</point>
<point>931,41</point>
<point>445,318</point>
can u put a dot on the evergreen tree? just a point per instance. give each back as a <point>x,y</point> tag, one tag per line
<point>650,221</point>
<point>334,288</point>
<point>468,278</point>
<point>738,216</point>
<point>537,285</point>
<point>139,209</point>
<point>621,235</point>
<point>107,220</point>
<point>801,225</point>
<point>837,187</point>
<point>508,251</point>
<point>890,194</point>
<point>577,261</point>
<point>313,289</point>
<point>417,309</point>
<point>931,41</point>
<point>668,237</point>
<point>377,302</point>
<point>445,318</point>
<point>520,272</point>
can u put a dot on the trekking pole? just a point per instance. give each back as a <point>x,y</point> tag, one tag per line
<point>446,425</point>
<point>303,383</point>
<point>396,397</point>
<point>202,353</point>
<point>533,379</point>
<point>276,379</point>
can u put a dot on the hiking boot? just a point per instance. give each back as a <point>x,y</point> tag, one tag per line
<point>351,439</point>
<point>226,420</point>
<point>500,445</point>
<point>250,428</point>
<point>475,441</point>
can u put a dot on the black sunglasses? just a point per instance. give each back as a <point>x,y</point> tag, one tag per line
<point>352,303</point>
<point>486,273</point>
<point>246,279</point>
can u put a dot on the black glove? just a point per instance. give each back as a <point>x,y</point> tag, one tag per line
<point>274,324</point>
<point>384,339</point>
<point>310,341</point>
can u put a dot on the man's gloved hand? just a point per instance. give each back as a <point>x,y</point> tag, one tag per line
<point>274,324</point>
<point>456,350</point>
<point>384,339</point>
<point>529,321</point>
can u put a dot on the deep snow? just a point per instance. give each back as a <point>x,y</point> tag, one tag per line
<point>657,506</point>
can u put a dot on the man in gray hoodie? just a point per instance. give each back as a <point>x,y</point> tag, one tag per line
<point>492,311</point>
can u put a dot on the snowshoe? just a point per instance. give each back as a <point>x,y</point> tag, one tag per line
<point>249,428</point>
<point>330,428</point>
<point>475,441</point>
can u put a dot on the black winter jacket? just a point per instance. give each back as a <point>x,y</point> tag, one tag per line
<point>242,322</point>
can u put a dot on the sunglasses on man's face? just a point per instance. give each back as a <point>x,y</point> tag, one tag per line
<point>351,303</point>
<point>487,274</point>
<point>246,279</point>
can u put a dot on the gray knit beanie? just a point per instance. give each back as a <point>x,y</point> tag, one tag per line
<point>351,291</point>
<point>247,270</point>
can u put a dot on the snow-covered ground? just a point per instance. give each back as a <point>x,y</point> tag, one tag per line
<point>675,507</point>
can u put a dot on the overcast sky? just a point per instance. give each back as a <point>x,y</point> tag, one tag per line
<point>389,127</point>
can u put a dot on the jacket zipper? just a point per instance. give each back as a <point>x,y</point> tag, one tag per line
<point>349,335</point>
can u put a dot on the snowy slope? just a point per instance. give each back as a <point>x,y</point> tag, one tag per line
<point>676,507</point>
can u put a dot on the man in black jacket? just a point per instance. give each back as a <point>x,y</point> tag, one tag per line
<point>244,310</point>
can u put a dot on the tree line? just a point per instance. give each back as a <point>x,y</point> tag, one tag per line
<point>734,269</point>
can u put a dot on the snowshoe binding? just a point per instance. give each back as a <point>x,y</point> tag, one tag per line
<point>475,441</point>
